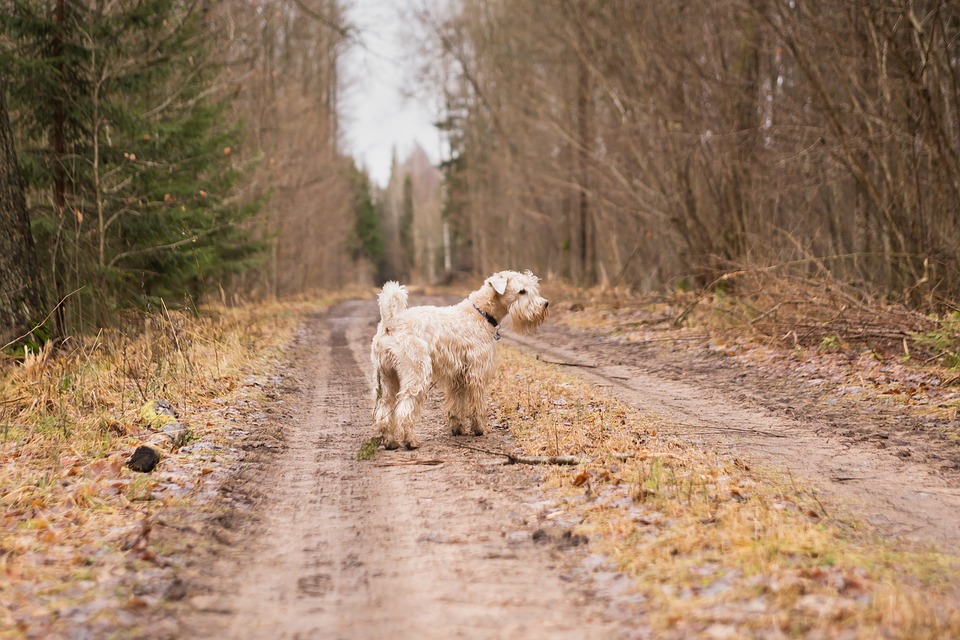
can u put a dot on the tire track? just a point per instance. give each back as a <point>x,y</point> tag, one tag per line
<point>348,549</point>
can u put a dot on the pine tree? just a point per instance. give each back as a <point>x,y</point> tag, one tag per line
<point>133,180</point>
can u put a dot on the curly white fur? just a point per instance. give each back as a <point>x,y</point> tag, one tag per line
<point>450,346</point>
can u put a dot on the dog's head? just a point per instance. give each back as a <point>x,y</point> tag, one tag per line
<point>517,295</point>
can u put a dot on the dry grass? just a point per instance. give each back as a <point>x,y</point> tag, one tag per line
<point>717,549</point>
<point>72,516</point>
<point>777,307</point>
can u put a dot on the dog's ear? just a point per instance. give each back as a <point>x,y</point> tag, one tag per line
<point>498,282</point>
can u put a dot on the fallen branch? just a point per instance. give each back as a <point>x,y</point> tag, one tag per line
<point>571,460</point>
<point>757,432</point>
<point>481,450</point>
<point>848,478</point>
<point>569,364</point>
<point>409,463</point>
<point>515,459</point>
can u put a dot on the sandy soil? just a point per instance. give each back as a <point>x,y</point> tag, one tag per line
<point>392,548</point>
<point>450,543</point>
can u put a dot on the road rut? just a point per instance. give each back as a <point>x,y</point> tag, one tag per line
<point>392,548</point>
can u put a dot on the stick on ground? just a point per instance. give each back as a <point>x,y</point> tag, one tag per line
<point>515,459</point>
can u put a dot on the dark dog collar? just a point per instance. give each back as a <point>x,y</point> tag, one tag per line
<point>489,318</point>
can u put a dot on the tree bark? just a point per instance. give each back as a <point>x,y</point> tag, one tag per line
<point>19,274</point>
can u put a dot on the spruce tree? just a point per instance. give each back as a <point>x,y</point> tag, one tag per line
<point>367,238</point>
<point>133,180</point>
<point>407,246</point>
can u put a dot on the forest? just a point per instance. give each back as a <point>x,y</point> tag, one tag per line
<point>170,151</point>
<point>660,144</point>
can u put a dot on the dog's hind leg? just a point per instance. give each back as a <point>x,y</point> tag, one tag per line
<point>415,371</point>
<point>409,408</point>
<point>384,419</point>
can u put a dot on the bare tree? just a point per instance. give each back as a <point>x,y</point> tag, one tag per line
<point>285,72</point>
<point>658,143</point>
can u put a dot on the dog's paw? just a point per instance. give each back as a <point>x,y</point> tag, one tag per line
<point>457,427</point>
<point>390,443</point>
<point>412,444</point>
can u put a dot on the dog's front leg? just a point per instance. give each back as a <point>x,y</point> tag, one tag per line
<point>454,405</point>
<point>475,401</point>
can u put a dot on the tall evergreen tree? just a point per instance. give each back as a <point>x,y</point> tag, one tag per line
<point>368,237</point>
<point>132,179</point>
<point>406,227</point>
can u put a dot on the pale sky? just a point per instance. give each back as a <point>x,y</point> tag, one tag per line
<point>377,114</point>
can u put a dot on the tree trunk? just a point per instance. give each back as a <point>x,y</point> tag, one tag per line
<point>19,274</point>
<point>587,242</point>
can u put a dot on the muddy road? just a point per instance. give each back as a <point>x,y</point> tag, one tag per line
<point>445,542</point>
<point>441,542</point>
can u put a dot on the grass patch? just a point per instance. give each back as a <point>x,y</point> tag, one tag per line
<point>711,543</point>
<point>368,450</point>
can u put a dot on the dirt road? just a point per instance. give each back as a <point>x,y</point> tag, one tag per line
<point>397,547</point>
<point>445,542</point>
<point>887,473</point>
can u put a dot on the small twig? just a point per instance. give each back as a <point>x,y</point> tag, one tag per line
<point>42,322</point>
<point>751,431</point>
<point>570,460</point>
<point>569,364</point>
<point>409,463</point>
<point>699,336</point>
<point>493,453</point>
<point>130,373</point>
<point>515,459</point>
<point>950,382</point>
<point>773,309</point>
<point>703,294</point>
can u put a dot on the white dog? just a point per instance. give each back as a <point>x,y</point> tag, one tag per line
<point>451,346</point>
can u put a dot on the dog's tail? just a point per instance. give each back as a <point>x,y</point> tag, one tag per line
<point>393,300</point>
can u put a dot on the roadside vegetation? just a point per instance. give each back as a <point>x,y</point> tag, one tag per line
<point>75,521</point>
<point>864,347</point>
<point>716,548</point>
